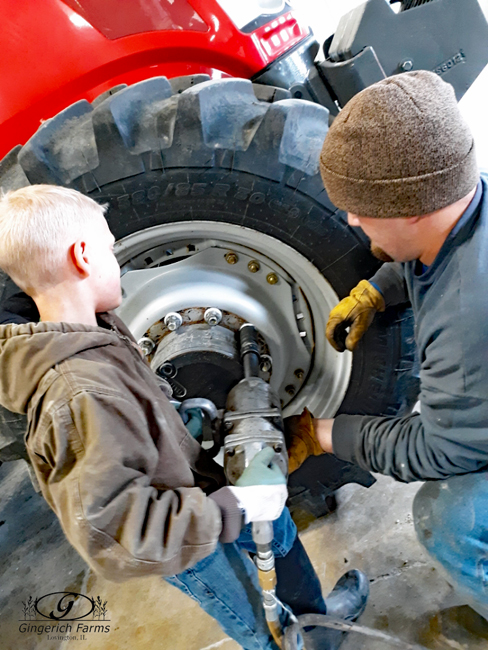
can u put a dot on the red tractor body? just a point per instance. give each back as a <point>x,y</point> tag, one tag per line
<point>57,52</point>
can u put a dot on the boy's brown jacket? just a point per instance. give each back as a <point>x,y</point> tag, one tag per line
<point>112,456</point>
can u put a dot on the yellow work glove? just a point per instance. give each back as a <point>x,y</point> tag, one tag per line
<point>356,312</point>
<point>301,440</point>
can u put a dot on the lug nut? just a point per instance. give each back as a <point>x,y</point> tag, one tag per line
<point>231,258</point>
<point>266,363</point>
<point>147,345</point>
<point>272,278</point>
<point>290,389</point>
<point>167,370</point>
<point>212,316</point>
<point>407,65</point>
<point>299,373</point>
<point>173,320</point>
<point>253,266</point>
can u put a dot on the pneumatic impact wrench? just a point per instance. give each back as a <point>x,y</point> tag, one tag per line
<point>253,421</point>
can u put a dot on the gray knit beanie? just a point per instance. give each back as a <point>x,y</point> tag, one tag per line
<point>399,148</point>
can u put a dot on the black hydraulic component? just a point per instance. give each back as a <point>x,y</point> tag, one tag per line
<point>349,77</point>
<point>295,71</point>
<point>446,36</point>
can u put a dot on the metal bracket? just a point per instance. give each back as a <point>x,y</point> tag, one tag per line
<point>348,78</point>
<point>445,36</point>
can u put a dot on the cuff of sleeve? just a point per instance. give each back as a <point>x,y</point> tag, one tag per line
<point>232,517</point>
<point>346,437</point>
<point>376,286</point>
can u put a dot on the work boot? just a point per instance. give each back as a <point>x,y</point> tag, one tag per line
<point>348,598</point>
<point>299,587</point>
<point>346,601</point>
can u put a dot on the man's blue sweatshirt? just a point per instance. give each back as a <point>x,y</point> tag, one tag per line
<point>450,304</point>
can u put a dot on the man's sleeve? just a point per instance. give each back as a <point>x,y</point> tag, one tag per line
<point>390,281</point>
<point>433,445</point>
<point>94,463</point>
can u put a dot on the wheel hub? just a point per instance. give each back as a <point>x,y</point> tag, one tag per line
<point>199,361</point>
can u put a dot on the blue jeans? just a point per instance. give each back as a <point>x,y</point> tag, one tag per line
<point>225,585</point>
<point>451,521</point>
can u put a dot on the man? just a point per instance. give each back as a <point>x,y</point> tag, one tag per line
<point>400,161</point>
<point>134,492</point>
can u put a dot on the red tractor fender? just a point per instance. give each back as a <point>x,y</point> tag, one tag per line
<point>53,56</point>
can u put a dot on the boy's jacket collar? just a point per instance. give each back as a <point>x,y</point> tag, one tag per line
<point>28,351</point>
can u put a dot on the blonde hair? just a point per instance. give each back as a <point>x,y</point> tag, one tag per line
<point>38,224</point>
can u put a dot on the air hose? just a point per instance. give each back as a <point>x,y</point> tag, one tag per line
<point>290,639</point>
<point>262,534</point>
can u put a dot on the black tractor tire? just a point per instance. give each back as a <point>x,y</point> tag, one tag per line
<point>230,151</point>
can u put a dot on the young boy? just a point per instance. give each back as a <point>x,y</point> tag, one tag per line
<point>134,492</point>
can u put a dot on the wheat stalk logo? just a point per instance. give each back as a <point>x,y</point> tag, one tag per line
<point>29,609</point>
<point>99,608</point>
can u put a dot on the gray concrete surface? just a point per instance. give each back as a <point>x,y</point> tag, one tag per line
<point>371,530</point>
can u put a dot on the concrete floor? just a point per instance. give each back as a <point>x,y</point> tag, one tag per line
<point>372,530</point>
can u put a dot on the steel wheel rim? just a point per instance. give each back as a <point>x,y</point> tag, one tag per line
<point>324,389</point>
